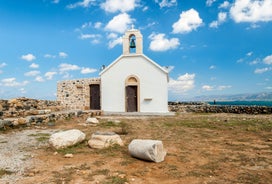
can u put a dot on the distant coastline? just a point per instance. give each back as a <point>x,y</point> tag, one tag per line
<point>240,103</point>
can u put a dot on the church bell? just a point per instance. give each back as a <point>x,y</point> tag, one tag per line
<point>132,44</point>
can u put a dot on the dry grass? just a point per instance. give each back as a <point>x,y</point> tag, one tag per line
<point>201,148</point>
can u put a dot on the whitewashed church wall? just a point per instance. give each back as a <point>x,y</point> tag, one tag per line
<point>153,94</point>
<point>75,94</point>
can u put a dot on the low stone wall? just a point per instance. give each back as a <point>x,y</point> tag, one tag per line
<point>26,112</point>
<point>21,107</point>
<point>184,107</point>
<point>45,119</point>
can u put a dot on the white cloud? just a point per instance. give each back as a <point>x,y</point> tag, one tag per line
<point>254,62</point>
<point>55,1</point>
<point>207,87</point>
<point>145,8</point>
<point>210,2</point>
<point>64,67</point>
<point>220,88</point>
<point>251,11</point>
<point>113,6</point>
<point>28,57</point>
<point>182,84</point>
<point>95,37</point>
<point>262,70</point>
<point>34,65</point>
<point>222,16</point>
<point>84,4</point>
<point>166,3</point>
<point>249,53</point>
<point>87,70</point>
<point>50,75</point>
<point>2,65</point>
<point>112,43</point>
<point>188,21</point>
<point>253,26</point>
<point>11,82</point>
<point>86,24</point>
<point>39,79</point>
<point>95,41</point>
<point>49,56</point>
<point>63,55</point>
<point>225,4</point>
<point>1,71</point>
<point>112,36</point>
<point>98,25</point>
<point>268,60</point>
<point>160,43</point>
<point>32,73</point>
<point>22,90</point>
<point>151,24</point>
<point>212,67</point>
<point>119,23</point>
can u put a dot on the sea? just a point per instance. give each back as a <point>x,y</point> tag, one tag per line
<point>246,103</point>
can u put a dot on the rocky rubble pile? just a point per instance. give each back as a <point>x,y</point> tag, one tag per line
<point>22,107</point>
<point>206,108</point>
<point>27,112</point>
<point>48,119</point>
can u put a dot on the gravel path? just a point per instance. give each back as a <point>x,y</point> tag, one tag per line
<point>16,152</point>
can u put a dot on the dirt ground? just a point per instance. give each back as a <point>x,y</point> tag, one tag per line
<point>201,148</point>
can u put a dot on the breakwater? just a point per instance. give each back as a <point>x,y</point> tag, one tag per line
<point>199,107</point>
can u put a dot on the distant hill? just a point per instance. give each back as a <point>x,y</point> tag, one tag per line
<point>265,96</point>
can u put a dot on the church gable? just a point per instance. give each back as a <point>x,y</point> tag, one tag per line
<point>140,58</point>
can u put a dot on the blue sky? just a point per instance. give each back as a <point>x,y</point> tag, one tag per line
<point>210,46</point>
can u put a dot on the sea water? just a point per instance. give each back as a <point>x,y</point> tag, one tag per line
<point>246,103</point>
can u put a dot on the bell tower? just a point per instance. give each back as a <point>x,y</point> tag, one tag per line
<point>132,42</point>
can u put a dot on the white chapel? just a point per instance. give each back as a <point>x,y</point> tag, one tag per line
<point>131,83</point>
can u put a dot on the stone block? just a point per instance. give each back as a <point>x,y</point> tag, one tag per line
<point>101,140</point>
<point>92,120</point>
<point>66,138</point>
<point>21,121</point>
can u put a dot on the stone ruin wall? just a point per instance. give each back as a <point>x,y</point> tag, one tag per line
<point>27,112</point>
<point>21,107</point>
<point>75,94</point>
<point>198,107</point>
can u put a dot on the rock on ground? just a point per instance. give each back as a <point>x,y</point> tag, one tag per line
<point>101,140</point>
<point>150,150</point>
<point>92,120</point>
<point>66,138</point>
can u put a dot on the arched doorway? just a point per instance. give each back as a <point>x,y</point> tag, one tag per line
<point>132,94</point>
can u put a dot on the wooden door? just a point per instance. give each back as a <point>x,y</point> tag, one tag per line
<point>95,96</point>
<point>132,100</point>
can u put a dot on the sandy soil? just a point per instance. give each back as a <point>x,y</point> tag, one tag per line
<point>201,148</point>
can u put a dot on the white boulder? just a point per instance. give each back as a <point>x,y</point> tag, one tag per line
<point>92,120</point>
<point>66,138</point>
<point>150,150</point>
<point>101,140</point>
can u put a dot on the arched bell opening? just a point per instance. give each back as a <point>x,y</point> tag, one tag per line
<point>132,43</point>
